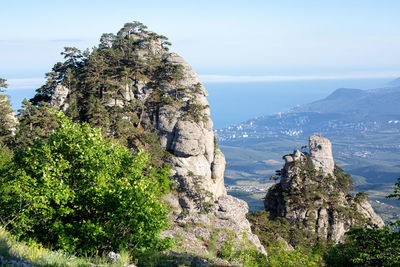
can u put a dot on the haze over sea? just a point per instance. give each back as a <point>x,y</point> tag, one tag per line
<point>232,103</point>
<point>235,102</point>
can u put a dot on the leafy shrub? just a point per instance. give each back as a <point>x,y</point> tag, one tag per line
<point>6,155</point>
<point>366,247</point>
<point>294,258</point>
<point>83,194</point>
<point>241,252</point>
<point>267,231</point>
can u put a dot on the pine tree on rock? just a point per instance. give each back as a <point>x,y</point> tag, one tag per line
<point>35,122</point>
<point>3,84</point>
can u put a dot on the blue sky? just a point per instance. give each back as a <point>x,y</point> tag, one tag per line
<point>234,40</point>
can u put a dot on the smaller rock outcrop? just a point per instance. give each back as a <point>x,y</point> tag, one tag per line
<point>200,232</point>
<point>313,194</point>
<point>321,154</point>
<point>59,97</point>
<point>8,120</point>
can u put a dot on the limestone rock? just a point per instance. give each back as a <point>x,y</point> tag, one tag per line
<point>113,257</point>
<point>188,140</point>
<point>58,99</point>
<point>180,116</point>
<point>365,208</point>
<point>314,192</point>
<point>9,121</point>
<point>321,154</point>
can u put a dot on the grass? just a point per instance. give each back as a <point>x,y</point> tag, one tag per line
<point>36,254</point>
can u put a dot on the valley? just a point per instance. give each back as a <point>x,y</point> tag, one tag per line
<point>365,137</point>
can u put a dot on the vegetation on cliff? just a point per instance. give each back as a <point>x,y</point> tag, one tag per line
<point>126,88</point>
<point>63,184</point>
<point>83,194</point>
<point>99,85</point>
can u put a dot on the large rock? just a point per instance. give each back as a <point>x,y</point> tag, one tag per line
<point>315,193</point>
<point>321,154</point>
<point>185,131</point>
<point>8,120</point>
<point>59,97</point>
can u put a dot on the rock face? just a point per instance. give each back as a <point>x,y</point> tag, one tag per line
<point>201,204</point>
<point>313,194</point>
<point>185,131</point>
<point>8,120</point>
<point>321,154</point>
<point>59,97</point>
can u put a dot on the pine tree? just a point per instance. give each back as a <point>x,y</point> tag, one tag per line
<point>3,84</point>
<point>34,122</point>
<point>44,93</point>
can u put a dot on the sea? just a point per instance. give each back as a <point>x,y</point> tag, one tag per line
<point>233,103</point>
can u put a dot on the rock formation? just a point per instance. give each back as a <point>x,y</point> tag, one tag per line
<point>8,120</point>
<point>313,193</point>
<point>200,205</point>
<point>58,98</point>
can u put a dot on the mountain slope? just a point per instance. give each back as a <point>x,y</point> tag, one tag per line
<point>313,194</point>
<point>364,126</point>
<point>358,104</point>
<point>145,97</point>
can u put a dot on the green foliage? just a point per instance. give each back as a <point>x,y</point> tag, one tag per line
<point>34,123</point>
<point>37,255</point>
<point>242,252</point>
<point>83,194</point>
<point>274,233</point>
<point>294,258</point>
<point>366,247</point>
<point>360,197</point>
<point>103,84</point>
<point>6,156</point>
<point>344,181</point>
<point>194,112</point>
<point>45,92</point>
<point>269,230</point>
<point>3,84</point>
<point>396,193</point>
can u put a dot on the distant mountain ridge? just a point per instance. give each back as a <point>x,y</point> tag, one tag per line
<point>362,104</point>
<point>363,125</point>
<point>355,110</point>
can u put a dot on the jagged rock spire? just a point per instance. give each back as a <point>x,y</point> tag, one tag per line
<point>321,154</point>
<point>184,127</point>
<point>314,193</point>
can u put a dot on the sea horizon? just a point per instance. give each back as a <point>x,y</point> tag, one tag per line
<point>234,102</point>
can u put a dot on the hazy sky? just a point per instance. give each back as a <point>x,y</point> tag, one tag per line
<point>218,37</point>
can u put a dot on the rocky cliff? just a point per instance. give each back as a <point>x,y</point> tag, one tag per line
<point>313,194</point>
<point>179,113</point>
<point>8,120</point>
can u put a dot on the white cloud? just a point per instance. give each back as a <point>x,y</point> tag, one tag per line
<point>211,78</point>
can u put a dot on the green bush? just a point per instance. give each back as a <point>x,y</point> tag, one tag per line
<point>6,155</point>
<point>294,258</point>
<point>84,194</point>
<point>268,230</point>
<point>366,247</point>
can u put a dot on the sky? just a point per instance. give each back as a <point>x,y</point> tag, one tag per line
<point>233,40</point>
